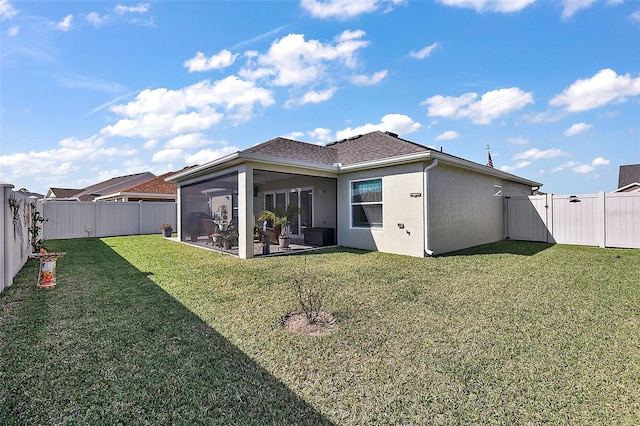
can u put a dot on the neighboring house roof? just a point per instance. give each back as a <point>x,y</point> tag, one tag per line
<point>156,187</point>
<point>102,188</point>
<point>629,174</point>
<point>62,192</point>
<point>375,149</point>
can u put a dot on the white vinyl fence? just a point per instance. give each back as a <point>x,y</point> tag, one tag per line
<point>73,219</point>
<point>15,221</point>
<point>602,219</point>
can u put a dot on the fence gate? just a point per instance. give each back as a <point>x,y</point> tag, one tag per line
<point>527,218</point>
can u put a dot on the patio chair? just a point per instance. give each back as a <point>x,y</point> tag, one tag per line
<point>212,230</point>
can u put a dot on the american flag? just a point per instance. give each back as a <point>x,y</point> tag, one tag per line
<point>490,162</point>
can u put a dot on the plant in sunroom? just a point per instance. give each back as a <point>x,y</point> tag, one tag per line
<point>282,217</point>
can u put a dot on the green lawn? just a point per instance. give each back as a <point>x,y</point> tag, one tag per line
<point>142,330</point>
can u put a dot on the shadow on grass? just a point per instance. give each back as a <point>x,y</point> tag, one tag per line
<point>522,248</point>
<point>108,346</point>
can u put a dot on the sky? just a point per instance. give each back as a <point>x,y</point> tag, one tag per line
<point>91,90</point>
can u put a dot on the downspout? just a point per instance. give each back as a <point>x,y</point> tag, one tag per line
<point>433,164</point>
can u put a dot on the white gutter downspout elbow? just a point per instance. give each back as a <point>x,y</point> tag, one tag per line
<point>433,164</point>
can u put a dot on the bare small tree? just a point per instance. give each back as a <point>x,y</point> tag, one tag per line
<point>310,297</point>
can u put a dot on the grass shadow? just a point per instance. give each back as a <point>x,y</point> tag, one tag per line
<point>521,248</point>
<point>109,346</point>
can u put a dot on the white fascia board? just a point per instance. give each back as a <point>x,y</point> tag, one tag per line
<point>631,185</point>
<point>202,169</point>
<point>289,162</point>
<point>444,158</point>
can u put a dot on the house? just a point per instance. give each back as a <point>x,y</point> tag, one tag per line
<point>375,191</point>
<point>629,178</point>
<point>92,192</point>
<point>154,189</point>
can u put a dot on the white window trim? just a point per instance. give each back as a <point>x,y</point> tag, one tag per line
<point>497,190</point>
<point>370,228</point>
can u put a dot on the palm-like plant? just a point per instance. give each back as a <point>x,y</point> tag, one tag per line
<point>281,217</point>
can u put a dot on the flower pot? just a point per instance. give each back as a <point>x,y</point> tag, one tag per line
<point>284,242</point>
<point>194,238</point>
<point>167,232</point>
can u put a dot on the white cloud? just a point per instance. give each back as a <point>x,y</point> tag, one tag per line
<point>207,155</point>
<point>344,9</point>
<point>163,112</point>
<point>218,61</point>
<point>519,140</point>
<point>168,155</point>
<point>600,161</point>
<point>293,61</point>
<point>13,31</point>
<point>504,6</point>
<point>190,140</point>
<point>64,25</point>
<point>369,80</point>
<point>292,135</point>
<point>7,11</point>
<point>396,123</point>
<point>313,97</point>
<point>424,52</point>
<point>448,135</point>
<point>583,168</point>
<point>62,160</point>
<point>577,128</point>
<point>150,144</point>
<point>493,104</point>
<point>536,154</point>
<point>570,7</point>
<point>322,134</point>
<point>519,165</point>
<point>635,16</point>
<point>140,8</point>
<point>95,19</point>
<point>604,87</point>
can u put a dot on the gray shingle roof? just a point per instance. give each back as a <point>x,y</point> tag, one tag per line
<point>369,147</point>
<point>295,150</point>
<point>373,146</point>
<point>628,174</point>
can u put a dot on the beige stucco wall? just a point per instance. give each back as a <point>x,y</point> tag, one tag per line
<point>463,210</point>
<point>399,207</point>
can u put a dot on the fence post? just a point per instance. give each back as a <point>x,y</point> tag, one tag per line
<point>602,206</point>
<point>6,277</point>
<point>548,204</point>
<point>140,217</point>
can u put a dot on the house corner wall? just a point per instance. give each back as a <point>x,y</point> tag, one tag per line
<point>403,204</point>
<point>463,208</point>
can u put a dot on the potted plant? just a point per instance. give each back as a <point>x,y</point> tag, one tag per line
<point>282,218</point>
<point>167,229</point>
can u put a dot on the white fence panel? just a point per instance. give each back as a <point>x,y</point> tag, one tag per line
<point>72,219</point>
<point>117,219</point>
<point>68,219</point>
<point>603,219</point>
<point>527,218</point>
<point>154,215</point>
<point>579,222</point>
<point>15,221</point>
<point>623,220</point>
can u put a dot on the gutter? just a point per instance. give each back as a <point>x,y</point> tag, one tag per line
<point>433,164</point>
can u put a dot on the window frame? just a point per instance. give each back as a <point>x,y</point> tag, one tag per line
<point>352,204</point>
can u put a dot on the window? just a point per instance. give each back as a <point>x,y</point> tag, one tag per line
<point>366,203</point>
